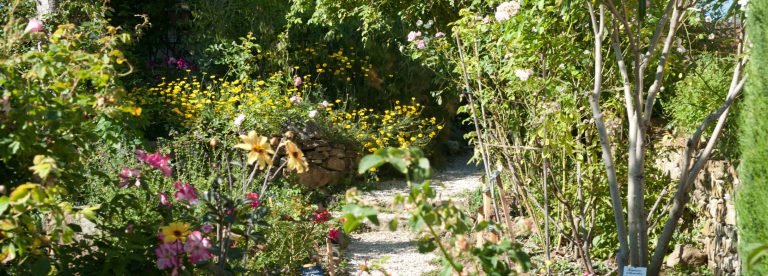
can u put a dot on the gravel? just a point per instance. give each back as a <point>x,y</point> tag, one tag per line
<point>398,248</point>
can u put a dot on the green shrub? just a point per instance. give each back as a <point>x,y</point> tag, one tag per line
<point>751,204</point>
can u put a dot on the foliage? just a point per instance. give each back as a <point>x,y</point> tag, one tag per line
<point>700,92</point>
<point>751,208</point>
<point>62,97</point>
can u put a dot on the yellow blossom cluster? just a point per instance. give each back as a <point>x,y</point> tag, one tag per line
<point>399,126</point>
<point>188,98</point>
<point>340,65</point>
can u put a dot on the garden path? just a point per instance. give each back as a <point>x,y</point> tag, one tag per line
<point>397,249</point>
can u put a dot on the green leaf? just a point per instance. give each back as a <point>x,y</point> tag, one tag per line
<point>370,161</point>
<point>426,245</point>
<point>21,193</point>
<point>393,224</point>
<point>4,203</point>
<point>41,267</point>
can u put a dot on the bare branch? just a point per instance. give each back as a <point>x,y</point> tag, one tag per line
<point>654,89</point>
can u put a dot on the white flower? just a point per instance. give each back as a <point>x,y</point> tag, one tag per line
<point>419,23</point>
<point>239,120</point>
<point>413,35</point>
<point>708,19</point>
<point>561,66</point>
<point>743,4</point>
<point>523,75</point>
<point>507,10</point>
<point>711,37</point>
<point>586,52</point>
<point>508,55</point>
<point>312,113</point>
<point>429,24</point>
<point>324,103</point>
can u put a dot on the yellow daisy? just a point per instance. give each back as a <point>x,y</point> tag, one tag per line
<point>175,231</point>
<point>258,147</point>
<point>296,160</point>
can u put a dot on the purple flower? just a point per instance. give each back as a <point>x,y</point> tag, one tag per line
<point>207,228</point>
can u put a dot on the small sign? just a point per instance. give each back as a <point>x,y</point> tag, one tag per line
<point>634,271</point>
<point>311,270</point>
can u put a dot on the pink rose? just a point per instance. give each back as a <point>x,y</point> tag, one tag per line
<point>34,25</point>
<point>439,34</point>
<point>296,81</point>
<point>420,44</point>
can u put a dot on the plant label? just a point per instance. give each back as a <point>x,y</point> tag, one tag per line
<point>634,271</point>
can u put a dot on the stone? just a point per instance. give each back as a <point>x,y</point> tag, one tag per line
<point>318,177</point>
<point>323,149</point>
<point>312,144</point>
<point>316,155</point>
<point>335,164</point>
<point>336,152</point>
<point>686,254</point>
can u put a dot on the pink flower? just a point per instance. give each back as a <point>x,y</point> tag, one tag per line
<point>197,247</point>
<point>34,25</point>
<point>182,64</point>
<point>186,193</point>
<point>164,199</point>
<point>254,199</point>
<point>296,99</point>
<point>322,216</point>
<point>439,34</point>
<point>167,255</point>
<point>334,234</point>
<point>126,174</point>
<point>155,160</point>
<point>129,228</point>
<point>207,228</point>
<point>413,35</point>
<point>296,81</point>
<point>420,44</point>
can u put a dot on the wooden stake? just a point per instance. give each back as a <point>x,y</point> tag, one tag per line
<point>329,249</point>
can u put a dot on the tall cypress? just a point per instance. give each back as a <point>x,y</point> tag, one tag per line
<point>752,197</point>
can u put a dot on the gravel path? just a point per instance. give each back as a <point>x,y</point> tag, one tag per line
<point>398,246</point>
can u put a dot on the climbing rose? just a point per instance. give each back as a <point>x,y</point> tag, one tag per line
<point>413,35</point>
<point>334,234</point>
<point>420,44</point>
<point>296,81</point>
<point>523,74</point>
<point>126,174</point>
<point>440,34</point>
<point>164,199</point>
<point>155,160</point>
<point>254,199</point>
<point>507,10</point>
<point>322,216</point>
<point>186,193</point>
<point>34,25</point>
<point>197,247</point>
<point>167,255</point>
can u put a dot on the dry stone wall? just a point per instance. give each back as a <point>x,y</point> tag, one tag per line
<point>712,197</point>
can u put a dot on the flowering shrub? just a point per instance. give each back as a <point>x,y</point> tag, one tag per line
<point>401,126</point>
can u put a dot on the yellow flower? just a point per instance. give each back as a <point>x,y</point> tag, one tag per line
<point>296,160</point>
<point>175,231</point>
<point>258,147</point>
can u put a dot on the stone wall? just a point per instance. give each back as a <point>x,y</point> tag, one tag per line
<point>329,162</point>
<point>712,197</point>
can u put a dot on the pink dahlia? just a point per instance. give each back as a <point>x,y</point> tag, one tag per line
<point>186,193</point>
<point>197,247</point>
